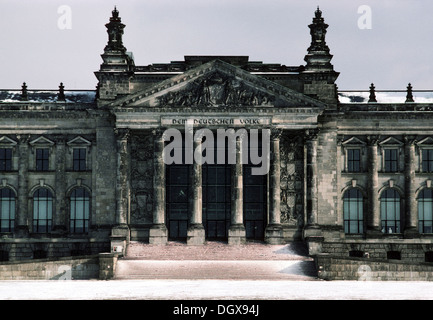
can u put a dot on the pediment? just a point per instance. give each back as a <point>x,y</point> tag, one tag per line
<point>42,141</point>
<point>391,141</point>
<point>79,142</point>
<point>353,141</point>
<point>5,141</point>
<point>426,142</point>
<point>217,84</point>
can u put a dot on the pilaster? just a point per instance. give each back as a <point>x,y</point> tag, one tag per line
<point>158,233</point>
<point>410,230</point>
<point>373,217</point>
<point>236,232</point>
<point>60,216</point>
<point>196,232</point>
<point>21,217</point>
<point>120,232</point>
<point>274,230</point>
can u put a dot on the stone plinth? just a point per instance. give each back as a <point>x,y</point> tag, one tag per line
<point>196,235</point>
<point>107,265</point>
<point>158,234</point>
<point>236,234</point>
<point>274,234</point>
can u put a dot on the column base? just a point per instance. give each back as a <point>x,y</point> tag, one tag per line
<point>312,230</point>
<point>274,234</point>
<point>21,232</point>
<point>158,234</point>
<point>373,233</point>
<point>411,233</point>
<point>195,235</point>
<point>237,234</point>
<point>58,231</point>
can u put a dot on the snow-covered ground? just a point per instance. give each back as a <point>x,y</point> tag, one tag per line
<point>214,290</point>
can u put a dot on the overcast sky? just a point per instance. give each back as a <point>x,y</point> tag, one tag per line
<point>398,48</point>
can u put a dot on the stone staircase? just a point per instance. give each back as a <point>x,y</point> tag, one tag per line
<point>216,260</point>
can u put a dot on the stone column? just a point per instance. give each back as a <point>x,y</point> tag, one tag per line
<point>411,210</point>
<point>60,214</point>
<point>236,232</point>
<point>373,214</point>
<point>274,230</point>
<point>158,233</point>
<point>312,232</point>
<point>22,213</point>
<point>120,233</point>
<point>196,232</point>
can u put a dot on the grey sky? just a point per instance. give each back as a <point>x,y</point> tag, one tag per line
<point>396,51</point>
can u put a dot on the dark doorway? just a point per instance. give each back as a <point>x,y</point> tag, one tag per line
<point>216,201</point>
<point>177,201</point>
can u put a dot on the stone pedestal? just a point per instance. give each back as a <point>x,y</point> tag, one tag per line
<point>107,265</point>
<point>119,239</point>
<point>158,234</point>
<point>314,244</point>
<point>196,235</point>
<point>236,234</point>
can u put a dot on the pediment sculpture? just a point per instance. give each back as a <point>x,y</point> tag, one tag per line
<point>214,90</point>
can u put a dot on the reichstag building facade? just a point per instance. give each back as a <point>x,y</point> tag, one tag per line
<point>87,172</point>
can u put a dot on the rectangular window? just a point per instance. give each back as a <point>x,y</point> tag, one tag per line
<point>391,160</point>
<point>427,160</point>
<point>353,160</point>
<point>79,159</point>
<point>42,159</point>
<point>5,159</point>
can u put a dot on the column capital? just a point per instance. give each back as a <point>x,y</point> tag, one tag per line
<point>276,133</point>
<point>373,140</point>
<point>312,134</point>
<point>122,133</point>
<point>410,140</point>
<point>23,138</point>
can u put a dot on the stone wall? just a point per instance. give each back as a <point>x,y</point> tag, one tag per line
<point>68,268</point>
<point>363,269</point>
<point>23,249</point>
<point>409,250</point>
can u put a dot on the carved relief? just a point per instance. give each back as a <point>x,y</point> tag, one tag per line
<point>216,89</point>
<point>141,179</point>
<point>292,180</point>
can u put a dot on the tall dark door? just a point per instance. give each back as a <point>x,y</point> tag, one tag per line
<point>177,199</point>
<point>216,201</point>
<point>255,204</point>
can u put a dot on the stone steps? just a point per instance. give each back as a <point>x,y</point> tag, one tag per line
<point>216,260</point>
<point>216,269</point>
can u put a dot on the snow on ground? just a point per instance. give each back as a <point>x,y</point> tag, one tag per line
<point>214,289</point>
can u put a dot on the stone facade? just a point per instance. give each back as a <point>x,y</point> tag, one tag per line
<point>84,172</point>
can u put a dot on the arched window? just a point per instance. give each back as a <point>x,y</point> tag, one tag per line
<point>79,210</point>
<point>390,211</point>
<point>42,210</point>
<point>425,211</point>
<point>7,210</point>
<point>353,211</point>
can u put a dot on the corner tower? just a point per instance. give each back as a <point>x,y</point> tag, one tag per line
<point>319,75</point>
<point>118,64</point>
